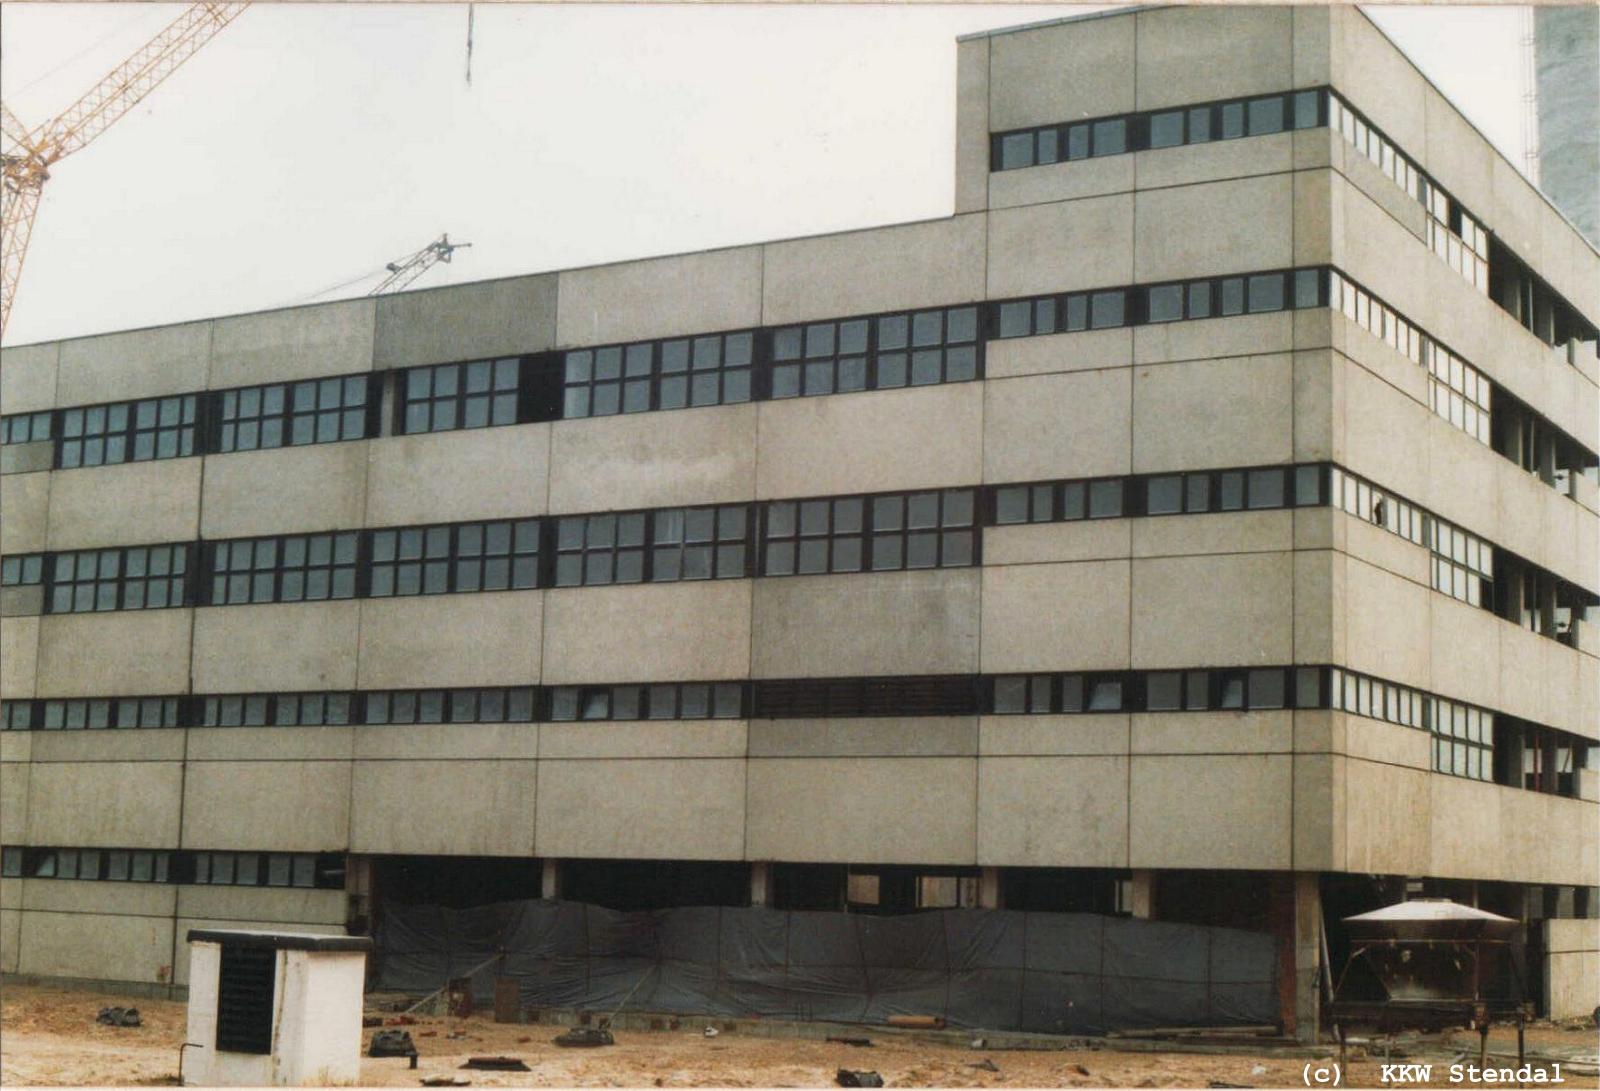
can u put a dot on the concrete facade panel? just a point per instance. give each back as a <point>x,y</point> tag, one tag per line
<point>27,506</point>
<point>1053,736</point>
<point>103,947</point>
<point>273,743</point>
<point>636,300</point>
<point>129,654</point>
<point>139,744</point>
<point>1052,426</point>
<point>1386,624</point>
<point>10,939</point>
<point>279,647</point>
<point>1086,350</point>
<point>1248,51</point>
<point>1176,408</point>
<point>134,364</point>
<point>886,623</point>
<point>131,805</point>
<point>1188,164</point>
<point>1042,249</point>
<point>286,491</point>
<point>1210,811</point>
<point>1044,617</point>
<point>697,456</point>
<point>1387,812</point>
<point>857,443</point>
<point>932,264</point>
<point>487,639</point>
<point>480,742</point>
<point>1045,543</point>
<point>1200,230</point>
<point>1319,842</point>
<point>481,473</point>
<point>267,806</point>
<point>659,632</point>
<point>278,905</point>
<point>13,800</point>
<point>1378,79</point>
<point>468,808</point>
<point>1465,648</point>
<point>869,737</point>
<point>1245,600</point>
<point>640,809</point>
<point>1061,181</point>
<point>1218,532</point>
<point>1061,73</point>
<point>1213,732</point>
<point>1053,812</point>
<point>297,343</point>
<point>882,810</point>
<point>646,739</point>
<point>19,656</point>
<point>131,504</point>
<point>69,896</point>
<point>28,377</point>
<point>466,321</point>
<point>1238,335</point>
<point>972,125</point>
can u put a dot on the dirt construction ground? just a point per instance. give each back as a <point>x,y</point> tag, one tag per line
<point>49,1036</point>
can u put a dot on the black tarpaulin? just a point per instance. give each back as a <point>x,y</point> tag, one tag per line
<point>1056,973</point>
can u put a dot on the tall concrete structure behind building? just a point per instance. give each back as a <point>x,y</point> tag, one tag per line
<point>1200,524</point>
<point>1567,56</point>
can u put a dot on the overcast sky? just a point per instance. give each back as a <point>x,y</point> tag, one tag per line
<point>307,145</point>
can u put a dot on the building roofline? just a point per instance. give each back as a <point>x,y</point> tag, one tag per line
<point>1127,9</point>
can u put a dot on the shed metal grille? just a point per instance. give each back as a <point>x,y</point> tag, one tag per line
<point>244,999</point>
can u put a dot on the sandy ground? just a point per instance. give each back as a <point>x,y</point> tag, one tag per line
<point>49,1036</point>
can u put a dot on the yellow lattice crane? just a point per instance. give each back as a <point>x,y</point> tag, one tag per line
<point>30,153</point>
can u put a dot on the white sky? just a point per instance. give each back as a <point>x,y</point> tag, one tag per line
<point>307,145</point>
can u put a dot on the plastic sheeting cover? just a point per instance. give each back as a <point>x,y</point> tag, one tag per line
<point>1052,973</point>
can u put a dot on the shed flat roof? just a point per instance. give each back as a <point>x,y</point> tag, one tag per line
<point>280,941</point>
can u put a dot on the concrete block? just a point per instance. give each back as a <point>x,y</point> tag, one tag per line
<point>507,317</point>
<point>480,473</point>
<point>287,491</point>
<point>883,624</point>
<point>443,808</point>
<point>456,640</point>
<point>632,301</point>
<point>693,631</point>
<point>1053,812</point>
<point>931,264</point>
<point>642,809</point>
<point>294,343</point>
<point>278,647</point>
<point>650,460</point>
<point>130,504</point>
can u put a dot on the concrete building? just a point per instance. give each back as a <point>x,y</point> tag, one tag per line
<point>1200,523</point>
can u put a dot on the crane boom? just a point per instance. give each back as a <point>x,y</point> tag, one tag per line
<point>26,167</point>
<point>403,272</point>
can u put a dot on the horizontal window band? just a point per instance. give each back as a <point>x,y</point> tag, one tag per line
<point>186,867</point>
<point>1455,235</point>
<point>873,352</point>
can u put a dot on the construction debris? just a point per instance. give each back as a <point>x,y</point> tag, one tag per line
<point>497,1064</point>
<point>584,1038</point>
<point>393,1043</point>
<point>857,1041</point>
<point>118,1017</point>
<point>445,1081</point>
<point>917,1022</point>
<point>849,1077</point>
<point>986,1064</point>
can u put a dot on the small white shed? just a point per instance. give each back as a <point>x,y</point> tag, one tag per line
<point>274,1009</point>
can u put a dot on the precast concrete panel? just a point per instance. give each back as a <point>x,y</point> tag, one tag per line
<point>885,623</point>
<point>491,318</point>
<point>1202,230</point>
<point>1062,73</point>
<point>932,264</point>
<point>275,743</point>
<point>1226,732</point>
<point>275,647</point>
<point>129,653</point>
<point>693,631</point>
<point>291,490</point>
<point>479,473</point>
<point>1050,426</point>
<point>1053,812</point>
<point>865,737</point>
<point>1378,79</point>
<point>660,297</point>
<point>1465,649</point>
<point>130,504</point>
<point>678,809</point>
<point>466,808</point>
<point>1177,409</point>
<point>653,460</point>
<point>1319,837</point>
<point>295,343</point>
<point>1088,350</point>
<point>1461,159</point>
<point>19,656</point>
<point>131,805</point>
<point>1054,182</point>
<point>1242,335</point>
<point>1188,164</point>
<point>13,801</point>
<point>27,505</point>
<point>1100,733</point>
<point>1044,617</point>
<point>882,810</point>
<point>972,125</point>
<point>1225,609</point>
<point>28,377</point>
<point>1064,246</point>
<point>481,742</point>
<point>97,946</point>
<point>1246,50</point>
<point>638,739</point>
<point>1386,623</point>
<point>267,806</point>
<point>1388,814</point>
<point>489,639</point>
<point>1048,543</point>
<point>1210,811</point>
<point>134,364</point>
<point>1217,532</point>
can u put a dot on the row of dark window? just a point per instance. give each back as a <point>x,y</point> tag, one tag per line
<point>1454,234</point>
<point>324,871</point>
<point>1094,138</point>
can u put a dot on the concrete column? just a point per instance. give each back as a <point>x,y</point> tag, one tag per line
<point>760,884</point>
<point>1143,902</point>
<point>550,879</point>
<point>1307,955</point>
<point>990,895</point>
